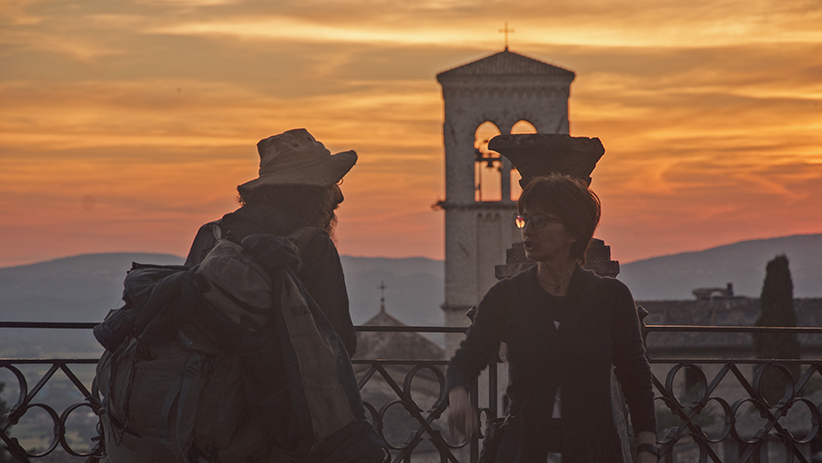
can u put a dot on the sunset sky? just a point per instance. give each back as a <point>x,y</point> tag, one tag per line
<point>124,125</point>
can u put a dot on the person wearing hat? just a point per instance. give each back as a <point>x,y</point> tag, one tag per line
<point>294,196</point>
<point>297,187</point>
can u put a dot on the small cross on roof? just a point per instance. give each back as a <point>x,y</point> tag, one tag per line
<point>506,31</point>
<point>382,287</point>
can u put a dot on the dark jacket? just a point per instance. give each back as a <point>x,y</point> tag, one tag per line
<point>321,271</point>
<point>598,328</point>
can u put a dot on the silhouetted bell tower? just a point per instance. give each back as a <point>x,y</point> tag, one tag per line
<point>498,94</point>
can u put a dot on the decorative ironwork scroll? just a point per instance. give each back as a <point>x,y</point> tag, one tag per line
<point>25,403</point>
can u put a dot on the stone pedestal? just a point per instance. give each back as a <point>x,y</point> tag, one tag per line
<point>598,259</point>
<point>543,154</point>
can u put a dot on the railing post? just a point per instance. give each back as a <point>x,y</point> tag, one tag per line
<point>493,392</point>
<point>475,403</point>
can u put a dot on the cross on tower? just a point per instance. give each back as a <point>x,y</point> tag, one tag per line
<point>506,31</point>
<point>382,287</point>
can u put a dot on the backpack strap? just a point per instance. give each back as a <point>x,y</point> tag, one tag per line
<point>203,242</point>
<point>178,393</point>
<point>299,237</point>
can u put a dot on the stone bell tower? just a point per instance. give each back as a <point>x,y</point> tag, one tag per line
<point>503,89</point>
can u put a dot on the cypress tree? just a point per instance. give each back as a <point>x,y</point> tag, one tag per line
<point>776,309</point>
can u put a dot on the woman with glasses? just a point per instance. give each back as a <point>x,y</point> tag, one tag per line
<point>564,328</point>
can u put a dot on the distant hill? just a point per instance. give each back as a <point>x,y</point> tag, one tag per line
<point>743,264</point>
<point>81,288</point>
<point>86,287</point>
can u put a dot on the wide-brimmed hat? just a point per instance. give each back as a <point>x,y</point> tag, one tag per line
<point>295,157</point>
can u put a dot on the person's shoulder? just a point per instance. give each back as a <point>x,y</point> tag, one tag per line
<point>602,281</point>
<point>209,227</point>
<point>311,236</point>
<point>514,283</point>
<point>604,285</point>
<point>314,244</point>
<point>204,240</point>
<point>313,240</point>
<point>612,283</point>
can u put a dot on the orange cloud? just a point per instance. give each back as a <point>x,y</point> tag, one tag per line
<point>124,126</point>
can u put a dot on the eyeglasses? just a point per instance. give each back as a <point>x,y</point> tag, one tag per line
<point>537,221</point>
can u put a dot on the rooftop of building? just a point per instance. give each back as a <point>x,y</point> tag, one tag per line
<point>506,63</point>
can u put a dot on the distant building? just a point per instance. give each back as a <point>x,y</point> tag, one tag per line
<point>720,307</point>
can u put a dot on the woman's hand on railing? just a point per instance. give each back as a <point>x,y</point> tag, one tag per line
<point>462,418</point>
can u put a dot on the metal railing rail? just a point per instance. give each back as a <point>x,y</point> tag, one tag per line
<point>752,449</point>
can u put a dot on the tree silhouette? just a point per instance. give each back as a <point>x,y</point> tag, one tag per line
<point>776,309</point>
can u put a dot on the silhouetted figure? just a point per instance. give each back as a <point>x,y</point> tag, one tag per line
<point>242,354</point>
<point>295,196</point>
<point>297,188</point>
<point>564,327</point>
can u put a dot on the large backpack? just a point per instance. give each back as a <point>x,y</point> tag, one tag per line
<point>228,361</point>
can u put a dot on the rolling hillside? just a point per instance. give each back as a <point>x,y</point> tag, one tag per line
<point>743,264</point>
<point>86,287</point>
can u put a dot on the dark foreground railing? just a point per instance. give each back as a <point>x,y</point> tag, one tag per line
<point>737,410</point>
<point>709,409</point>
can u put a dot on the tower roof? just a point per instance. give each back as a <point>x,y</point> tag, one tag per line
<point>506,63</point>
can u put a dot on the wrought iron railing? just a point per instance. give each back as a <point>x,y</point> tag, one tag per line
<point>27,400</point>
<point>709,409</point>
<point>399,375</point>
<point>724,414</point>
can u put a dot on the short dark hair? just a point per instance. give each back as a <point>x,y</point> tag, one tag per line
<point>572,201</point>
<point>314,204</point>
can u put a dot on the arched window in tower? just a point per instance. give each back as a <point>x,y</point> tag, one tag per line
<point>487,165</point>
<point>519,127</point>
